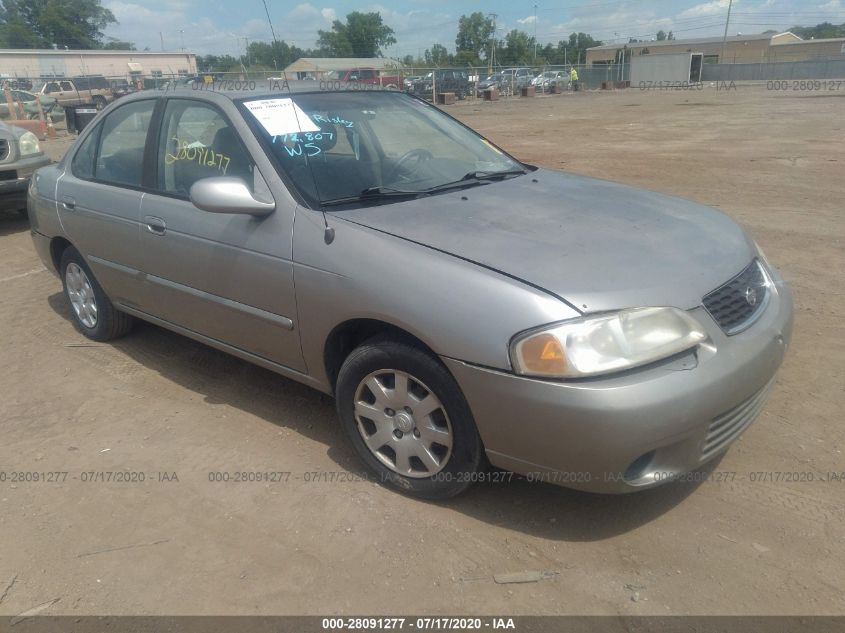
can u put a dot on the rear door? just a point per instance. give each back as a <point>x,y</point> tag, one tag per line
<point>99,199</point>
<point>225,276</point>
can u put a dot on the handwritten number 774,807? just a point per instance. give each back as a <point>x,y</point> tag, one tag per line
<point>303,142</point>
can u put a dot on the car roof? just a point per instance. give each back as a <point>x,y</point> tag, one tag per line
<point>235,90</point>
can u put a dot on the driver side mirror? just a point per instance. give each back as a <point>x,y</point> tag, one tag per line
<point>227,195</point>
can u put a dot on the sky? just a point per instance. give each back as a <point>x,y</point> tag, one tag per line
<point>225,26</point>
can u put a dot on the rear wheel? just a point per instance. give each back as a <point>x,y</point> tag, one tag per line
<point>99,101</point>
<point>92,311</point>
<point>408,420</point>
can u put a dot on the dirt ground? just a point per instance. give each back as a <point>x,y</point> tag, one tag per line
<point>161,405</point>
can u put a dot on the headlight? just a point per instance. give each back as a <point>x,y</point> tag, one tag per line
<point>28,144</point>
<point>606,343</point>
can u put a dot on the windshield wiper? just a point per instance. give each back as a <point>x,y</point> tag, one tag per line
<point>476,178</point>
<point>373,193</point>
<point>492,175</point>
<point>386,193</point>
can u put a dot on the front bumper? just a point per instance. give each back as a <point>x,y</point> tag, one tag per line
<point>634,430</point>
<point>16,175</point>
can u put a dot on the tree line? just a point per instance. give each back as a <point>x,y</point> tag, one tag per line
<point>79,24</point>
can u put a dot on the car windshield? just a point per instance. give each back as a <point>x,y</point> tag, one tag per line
<point>363,147</point>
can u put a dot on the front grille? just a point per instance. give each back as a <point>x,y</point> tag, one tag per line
<point>725,428</point>
<point>4,149</point>
<point>737,304</point>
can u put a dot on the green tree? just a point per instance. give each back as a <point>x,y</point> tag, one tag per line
<point>74,24</point>
<point>474,33</point>
<point>820,31</point>
<point>276,55</point>
<point>363,35</point>
<point>118,45</point>
<point>661,35</point>
<point>517,49</point>
<point>437,56</point>
<point>578,45</point>
<point>217,63</point>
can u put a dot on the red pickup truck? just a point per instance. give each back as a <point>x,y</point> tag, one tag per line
<point>366,76</point>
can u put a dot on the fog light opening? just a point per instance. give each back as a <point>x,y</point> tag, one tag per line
<point>638,467</point>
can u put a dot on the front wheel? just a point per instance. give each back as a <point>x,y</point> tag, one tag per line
<point>408,420</point>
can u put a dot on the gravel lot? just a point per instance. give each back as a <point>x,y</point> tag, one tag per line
<point>174,410</point>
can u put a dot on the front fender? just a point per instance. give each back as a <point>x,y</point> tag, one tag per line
<point>457,308</point>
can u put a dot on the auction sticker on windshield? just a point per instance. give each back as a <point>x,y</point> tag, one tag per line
<point>281,116</point>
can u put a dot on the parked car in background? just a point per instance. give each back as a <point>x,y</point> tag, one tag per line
<point>29,103</point>
<point>518,78</point>
<point>444,80</point>
<point>16,83</point>
<point>371,76</point>
<point>121,88</point>
<point>460,305</point>
<point>496,80</point>
<point>545,80</point>
<point>20,156</point>
<point>73,91</point>
<point>409,81</point>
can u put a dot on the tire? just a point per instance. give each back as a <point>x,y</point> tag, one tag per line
<point>99,101</point>
<point>102,323</point>
<point>446,437</point>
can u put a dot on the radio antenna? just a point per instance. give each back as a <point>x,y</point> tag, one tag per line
<point>269,21</point>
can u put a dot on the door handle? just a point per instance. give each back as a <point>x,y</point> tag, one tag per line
<point>68,203</point>
<point>155,225</point>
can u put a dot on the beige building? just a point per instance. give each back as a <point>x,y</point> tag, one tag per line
<point>317,67</point>
<point>32,63</point>
<point>738,49</point>
<point>808,49</point>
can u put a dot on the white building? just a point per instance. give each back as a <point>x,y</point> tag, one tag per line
<point>34,63</point>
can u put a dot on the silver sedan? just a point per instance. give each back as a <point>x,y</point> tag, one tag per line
<point>464,308</point>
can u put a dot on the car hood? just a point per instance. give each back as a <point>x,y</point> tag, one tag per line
<point>596,244</point>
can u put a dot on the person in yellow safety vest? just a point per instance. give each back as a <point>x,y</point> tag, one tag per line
<point>573,78</point>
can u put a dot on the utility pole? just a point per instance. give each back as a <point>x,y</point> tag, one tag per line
<point>727,24</point>
<point>535,34</point>
<point>161,36</point>
<point>492,63</point>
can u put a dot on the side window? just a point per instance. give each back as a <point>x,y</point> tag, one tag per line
<point>51,87</point>
<point>198,142</point>
<point>120,157</point>
<point>83,161</point>
<point>67,86</point>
